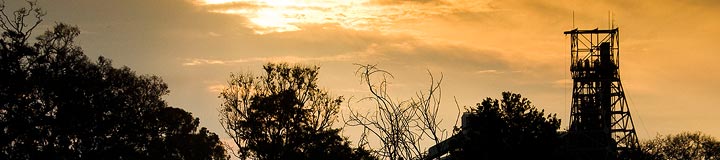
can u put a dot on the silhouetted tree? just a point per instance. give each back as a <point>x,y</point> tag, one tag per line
<point>403,129</point>
<point>284,115</point>
<point>57,104</point>
<point>510,128</point>
<point>685,145</point>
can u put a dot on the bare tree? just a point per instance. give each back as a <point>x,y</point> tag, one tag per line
<point>402,127</point>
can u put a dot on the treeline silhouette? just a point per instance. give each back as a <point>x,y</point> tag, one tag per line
<point>509,128</point>
<point>283,114</point>
<point>55,103</point>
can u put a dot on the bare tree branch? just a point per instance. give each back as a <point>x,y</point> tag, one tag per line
<point>401,127</point>
<point>14,24</point>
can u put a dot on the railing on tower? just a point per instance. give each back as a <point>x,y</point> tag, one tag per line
<point>600,123</point>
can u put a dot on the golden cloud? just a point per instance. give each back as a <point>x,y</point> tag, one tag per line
<point>266,16</point>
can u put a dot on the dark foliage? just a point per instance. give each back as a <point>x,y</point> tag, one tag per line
<point>57,104</point>
<point>682,146</point>
<point>510,128</point>
<point>284,115</point>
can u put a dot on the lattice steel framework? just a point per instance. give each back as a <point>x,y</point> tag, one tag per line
<point>600,123</point>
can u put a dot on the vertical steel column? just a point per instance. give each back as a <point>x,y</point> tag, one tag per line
<point>600,123</point>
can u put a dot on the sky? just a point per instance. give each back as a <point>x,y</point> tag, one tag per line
<point>481,48</point>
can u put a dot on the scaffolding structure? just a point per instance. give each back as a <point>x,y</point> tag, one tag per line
<point>600,123</point>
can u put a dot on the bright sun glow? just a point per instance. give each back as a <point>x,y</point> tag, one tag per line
<point>267,16</point>
<point>218,1</point>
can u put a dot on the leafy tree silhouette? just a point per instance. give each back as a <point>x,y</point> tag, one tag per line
<point>57,104</point>
<point>284,115</point>
<point>509,128</point>
<point>687,145</point>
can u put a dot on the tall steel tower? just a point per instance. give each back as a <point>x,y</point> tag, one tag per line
<point>600,123</point>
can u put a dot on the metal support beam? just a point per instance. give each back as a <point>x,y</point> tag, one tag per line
<point>600,124</point>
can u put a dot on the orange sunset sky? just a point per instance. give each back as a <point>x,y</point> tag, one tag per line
<point>669,49</point>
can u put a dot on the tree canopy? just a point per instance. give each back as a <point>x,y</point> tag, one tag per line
<point>510,128</point>
<point>284,115</point>
<point>686,145</point>
<point>57,104</point>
